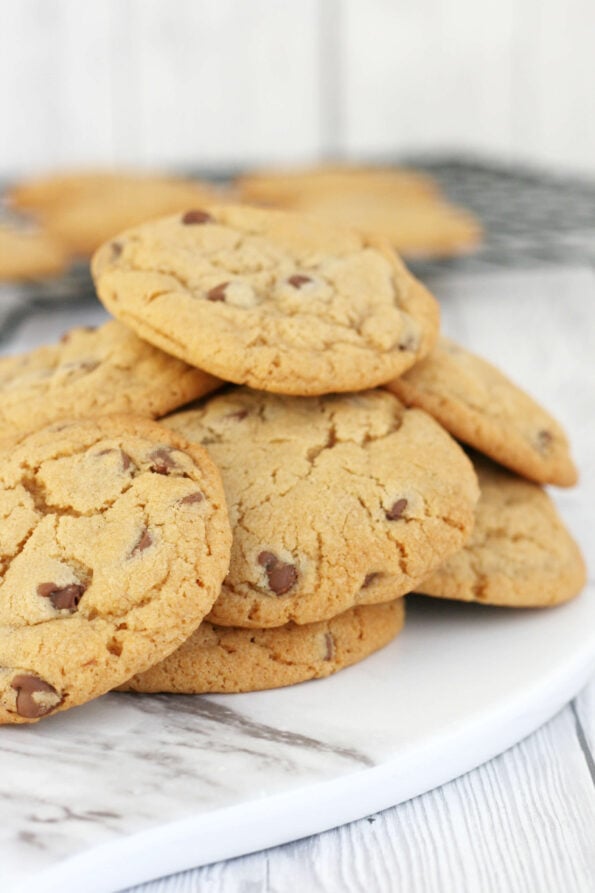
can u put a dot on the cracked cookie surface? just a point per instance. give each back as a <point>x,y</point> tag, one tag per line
<point>281,302</point>
<point>520,553</point>
<point>113,546</point>
<point>479,405</point>
<point>92,372</point>
<point>333,501</point>
<point>228,659</point>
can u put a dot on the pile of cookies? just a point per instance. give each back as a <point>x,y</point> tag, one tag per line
<point>302,478</point>
<point>57,218</point>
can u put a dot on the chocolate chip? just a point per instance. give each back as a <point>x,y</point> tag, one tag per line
<point>281,576</point>
<point>26,686</point>
<point>267,559</point>
<point>117,249</point>
<point>192,498</point>
<point>368,579</point>
<point>196,217</point>
<point>396,510</point>
<point>162,461</point>
<point>217,293</point>
<point>329,643</point>
<point>63,598</point>
<point>544,440</point>
<point>298,280</point>
<point>145,540</point>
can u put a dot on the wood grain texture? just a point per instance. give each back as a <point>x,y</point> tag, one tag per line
<point>217,82</point>
<point>506,78</point>
<point>56,105</point>
<point>228,83</point>
<point>584,707</point>
<point>426,75</point>
<point>525,821</point>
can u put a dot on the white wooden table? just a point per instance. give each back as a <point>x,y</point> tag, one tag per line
<point>525,821</point>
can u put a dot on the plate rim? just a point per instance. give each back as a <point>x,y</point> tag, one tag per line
<point>258,824</point>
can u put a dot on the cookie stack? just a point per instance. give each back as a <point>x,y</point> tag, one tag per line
<point>266,533</point>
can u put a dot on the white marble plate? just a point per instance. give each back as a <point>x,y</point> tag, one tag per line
<point>132,787</point>
<point>129,788</point>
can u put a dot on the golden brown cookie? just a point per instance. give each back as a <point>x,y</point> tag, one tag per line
<point>334,502</point>
<point>403,207</point>
<point>113,546</point>
<point>415,228</point>
<point>92,372</point>
<point>278,301</point>
<point>520,553</point>
<point>82,210</point>
<point>282,187</point>
<point>226,659</point>
<point>479,405</point>
<point>30,254</point>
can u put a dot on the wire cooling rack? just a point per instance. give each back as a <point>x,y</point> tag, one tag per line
<point>530,219</point>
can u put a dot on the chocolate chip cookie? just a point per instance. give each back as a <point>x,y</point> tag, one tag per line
<point>113,546</point>
<point>479,405</point>
<point>30,254</point>
<point>92,372</point>
<point>227,659</point>
<point>520,553</point>
<point>402,206</point>
<point>282,302</point>
<point>281,188</point>
<point>334,502</point>
<point>84,209</point>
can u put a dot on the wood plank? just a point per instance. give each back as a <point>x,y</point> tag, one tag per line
<point>523,822</point>
<point>428,76</point>
<point>584,707</point>
<point>552,100</point>
<point>226,83</point>
<point>55,105</point>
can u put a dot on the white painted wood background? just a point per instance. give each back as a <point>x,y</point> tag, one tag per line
<point>228,82</point>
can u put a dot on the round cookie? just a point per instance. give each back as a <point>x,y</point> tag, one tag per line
<point>114,543</point>
<point>415,228</point>
<point>82,210</point>
<point>334,502</point>
<point>404,207</point>
<point>520,553</point>
<point>479,405</point>
<point>281,302</point>
<point>282,187</point>
<point>30,254</point>
<point>93,372</point>
<point>227,659</point>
